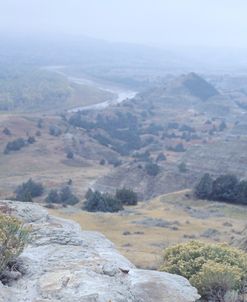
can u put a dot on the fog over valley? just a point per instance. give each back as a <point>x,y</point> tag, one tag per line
<point>123,138</point>
<point>201,32</point>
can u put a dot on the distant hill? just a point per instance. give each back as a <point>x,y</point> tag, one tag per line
<point>193,85</point>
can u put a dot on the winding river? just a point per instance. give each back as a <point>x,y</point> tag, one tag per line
<point>120,94</point>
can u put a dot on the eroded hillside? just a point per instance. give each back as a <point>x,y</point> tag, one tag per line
<point>160,141</point>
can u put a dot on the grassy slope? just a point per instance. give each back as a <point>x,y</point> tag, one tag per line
<point>44,161</point>
<point>83,95</point>
<point>36,90</point>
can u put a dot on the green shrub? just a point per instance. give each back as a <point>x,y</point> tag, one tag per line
<point>161,157</point>
<point>53,197</point>
<point>214,269</point>
<point>70,155</point>
<point>204,188</point>
<point>102,202</point>
<point>15,145</point>
<point>115,162</point>
<point>28,190</point>
<point>102,162</point>
<point>225,188</point>
<point>13,237</point>
<point>65,196</point>
<point>126,196</point>
<point>216,279</point>
<point>152,169</point>
<point>89,193</point>
<point>222,126</point>
<point>142,156</point>
<point>31,140</point>
<point>178,148</point>
<point>55,130</point>
<point>40,123</point>
<point>182,167</point>
<point>6,131</point>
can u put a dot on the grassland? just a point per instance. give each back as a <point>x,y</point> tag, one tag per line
<point>143,243</point>
<point>140,232</point>
<point>45,160</point>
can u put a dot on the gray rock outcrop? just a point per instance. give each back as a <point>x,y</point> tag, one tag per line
<point>65,264</point>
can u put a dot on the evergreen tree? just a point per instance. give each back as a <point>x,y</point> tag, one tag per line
<point>152,169</point>
<point>70,155</point>
<point>67,197</point>
<point>28,190</point>
<point>161,156</point>
<point>53,197</point>
<point>102,202</point>
<point>224,188</point>
<point>203,189</point>
<point>241,192</point>
<point>126,196</point>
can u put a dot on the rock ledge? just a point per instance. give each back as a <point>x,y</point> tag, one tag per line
<point>67,264</point>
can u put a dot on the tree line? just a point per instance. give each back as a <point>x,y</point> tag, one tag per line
<point>227,188</point>
<point>95,200</point>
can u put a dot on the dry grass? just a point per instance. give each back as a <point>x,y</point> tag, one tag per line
<point>145,250</point>
<point>43,161</point>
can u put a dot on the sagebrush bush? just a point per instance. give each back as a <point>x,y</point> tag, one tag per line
<point>13,237</point>
<point>231,296</point>
<point>216,279</point>
<point>214,269</point>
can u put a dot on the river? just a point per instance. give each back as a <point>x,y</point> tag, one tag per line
<point>121,94</point>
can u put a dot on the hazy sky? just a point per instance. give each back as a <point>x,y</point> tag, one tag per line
<point>158,22</point>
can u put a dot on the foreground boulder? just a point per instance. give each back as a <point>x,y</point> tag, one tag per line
<point>65,264</point>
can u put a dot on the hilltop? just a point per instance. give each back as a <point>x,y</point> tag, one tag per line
<point>192,85</point>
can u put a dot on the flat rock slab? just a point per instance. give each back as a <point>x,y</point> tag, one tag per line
<point>67,264</point>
